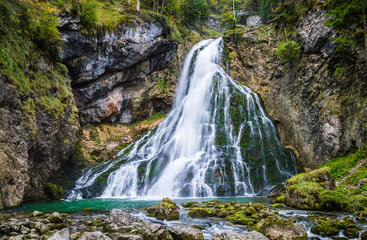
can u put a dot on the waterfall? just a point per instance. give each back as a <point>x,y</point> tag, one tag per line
<point>216,141</point>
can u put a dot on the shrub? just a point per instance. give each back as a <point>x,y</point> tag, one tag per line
<point>228,21</point>
<point>288,50</point>
<point>88,14</point>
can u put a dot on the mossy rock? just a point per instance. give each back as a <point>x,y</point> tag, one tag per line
<point>325,228</point>
<point>276,227</point>
<point>54,191</point>
<point>250,211</point>
<point>201,213</point>
<point>166,209</point>
<point>351,232</point>
<point>190,204</point>
<point>277,205</point>
<point>280,199</point>
<point>241,218</point>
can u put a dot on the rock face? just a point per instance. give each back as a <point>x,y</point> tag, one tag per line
<point>318,115</point>
<point>186,233</point>
<point>114,75</point>
<point>167,209</point>
<point>275,227</point>
<point>27,163</point>
<point>244,236</point>
<point>61,235</point>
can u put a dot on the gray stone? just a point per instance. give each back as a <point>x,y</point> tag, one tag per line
<point>313,33</point>
<point>186,232</point>
<point>37,213</point>
<point>55,218</point>
<point>61,235</point>
<point>94,236</point>
<point>243,236</point>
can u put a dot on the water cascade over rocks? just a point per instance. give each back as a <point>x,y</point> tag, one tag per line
<point>216,141</point>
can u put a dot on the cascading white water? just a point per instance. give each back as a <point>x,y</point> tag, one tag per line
<point>216,141</point>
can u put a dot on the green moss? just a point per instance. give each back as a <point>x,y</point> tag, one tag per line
<point>280,199</point>
<point>277,205</point>
<point>241,218</point>
<point>325,228</point>
<point>200,213</point>
<point>53,191</point>
<point>340,166</point>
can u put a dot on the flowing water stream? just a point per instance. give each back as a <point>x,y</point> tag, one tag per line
<point>216,141</point>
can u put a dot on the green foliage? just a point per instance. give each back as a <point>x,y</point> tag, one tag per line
<point>339,72</point>
<point>29,48</point>
<point>340,166</point>
<point>53,191</point>
<point>194,11</point>
<point>88,13</point>
<point>228,21</point>
<point>288,50</point>
<point>344,13</point>
<point>343,44</point>
<point>162,85</point>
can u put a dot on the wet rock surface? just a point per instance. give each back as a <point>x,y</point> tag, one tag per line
<point>114,74</point>
<point>265,223</point>
<point>166,209</point>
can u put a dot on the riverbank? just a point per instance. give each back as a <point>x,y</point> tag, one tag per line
<point>201,220</point>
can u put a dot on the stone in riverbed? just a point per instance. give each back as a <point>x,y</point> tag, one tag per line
<point>276,227</point>
<point>61,235</point>
<point>55,218</point>
<point>167,209</point>
<point>201,213</point>
<point>94,236</point>
<point>186,233</point>
<point>244,236</point>
<point>37,213</point>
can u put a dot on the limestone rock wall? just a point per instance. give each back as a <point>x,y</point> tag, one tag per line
<point>114,74</point>
<point>318,115</point>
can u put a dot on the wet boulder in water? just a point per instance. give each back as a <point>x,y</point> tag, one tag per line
<point>186,233</point>
<point>118,220</point>
<point>167,209</point>
<point>276,227</point>
<point>244,236</point>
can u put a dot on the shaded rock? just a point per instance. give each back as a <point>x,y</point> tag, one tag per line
<point>61,235</point>
<point>155,231</point>
<point>55,218</point>
<point>364,235</point>
<point>351,232</point>
<point>276,227</point>
<point>244,236</point>
<point>186,233</point>
<point>166,209</point>
<point>94,236</point>
<point>313,33</point>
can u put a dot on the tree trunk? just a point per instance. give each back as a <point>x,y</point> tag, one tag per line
<point>138,5</point>
<point>234,10</point>
<point>162,7</point>
<point>153,5</point>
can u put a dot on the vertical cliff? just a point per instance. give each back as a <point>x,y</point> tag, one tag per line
<point>319,113</point>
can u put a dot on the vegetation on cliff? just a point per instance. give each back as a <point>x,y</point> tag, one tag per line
<point>318,190</point>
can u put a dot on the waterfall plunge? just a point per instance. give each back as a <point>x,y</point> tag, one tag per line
<point>216,141</point>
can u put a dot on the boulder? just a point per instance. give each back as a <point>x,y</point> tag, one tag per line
<point>326,227</point>
<point>244,236</point>
<point>313,33</point>
<point>276,227</point>
<point>61,235</point>
<point>94,236</point>
<point>55,218</point>
<point>200,213</point>
<point>186,233</point>
<point>119,220</point>
<point>166,209</point>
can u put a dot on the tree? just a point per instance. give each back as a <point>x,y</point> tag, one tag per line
<point>228,21</point>
<point>347,13</point>
<point>193,11</point>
